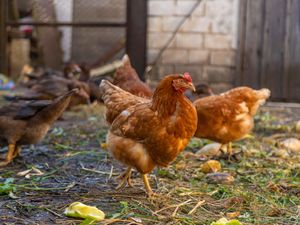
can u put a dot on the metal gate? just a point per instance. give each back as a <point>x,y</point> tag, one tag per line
<point>269,47</point>
<point>98,30</point>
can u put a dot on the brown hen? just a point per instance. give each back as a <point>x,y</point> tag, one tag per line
<point>126,78</point>
<point>152,132</point>
<point>28,122</point>
<point>229,116</point>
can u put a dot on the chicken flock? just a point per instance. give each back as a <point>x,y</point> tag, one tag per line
<point>148,128</point>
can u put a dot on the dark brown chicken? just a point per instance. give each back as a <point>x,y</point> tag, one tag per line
<point>202,90</point>
<point>54,86</point>
<point>126,78</point>
<point>153,132</point>
<point>28,122</point>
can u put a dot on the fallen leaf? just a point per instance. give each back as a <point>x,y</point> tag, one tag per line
<point>211,166</point>
<point>219,178</point>
<point>24,173</point>
<point>224,221</point>
<point>80,210</point>
<point>30,172</point>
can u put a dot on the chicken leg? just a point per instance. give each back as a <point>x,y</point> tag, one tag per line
<point>17,151</point>
<point>229,149</point>
<point>147,185</point>
<point>9,156</point>
<point>125,178</point>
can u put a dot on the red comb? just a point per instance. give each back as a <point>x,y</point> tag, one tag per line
<point>187,77</point>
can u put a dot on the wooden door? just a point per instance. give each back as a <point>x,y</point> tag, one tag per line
<point>269,47</point>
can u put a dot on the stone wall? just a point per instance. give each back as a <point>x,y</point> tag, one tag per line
<point>205,45</point>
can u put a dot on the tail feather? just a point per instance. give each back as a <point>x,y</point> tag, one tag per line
<point>264,93</point>
<point>116,99</point>
<point>110,92</point>
<point>126,60</point>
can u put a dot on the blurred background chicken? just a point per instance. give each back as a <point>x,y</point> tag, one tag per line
<point>47,84</point>
<point>229,116</point>
<point>126,78</point>
<point>23,123</point>
<point>151,132</point>
<point>202,90</point>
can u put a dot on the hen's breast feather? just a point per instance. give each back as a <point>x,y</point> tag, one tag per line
<point>130,152</point>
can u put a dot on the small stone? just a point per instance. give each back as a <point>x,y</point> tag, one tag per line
<point>292,144</point>
<point>210,150</point>
<point>219,178</point>
<point>211,166</point>
<point>281,153</point>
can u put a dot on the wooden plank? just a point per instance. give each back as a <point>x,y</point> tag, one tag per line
<point>241,42</point>
<point>3,37</point>
<point>136,45</point>
<point>253,43</point>
<point>273,47</point>
<point>292,52</point>
<point>68,24</point>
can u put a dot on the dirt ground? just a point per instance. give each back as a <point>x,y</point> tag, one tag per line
<point>266,189</point>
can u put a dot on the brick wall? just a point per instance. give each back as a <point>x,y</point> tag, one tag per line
<point>205,45</point>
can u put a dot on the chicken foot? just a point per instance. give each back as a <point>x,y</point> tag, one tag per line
<point>125,178</point>
<point>149,191</point>
<point>10,155</point>
<point>228,151</point>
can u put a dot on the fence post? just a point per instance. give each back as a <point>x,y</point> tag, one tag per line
<point>136,34</point>
<point>3,37</point>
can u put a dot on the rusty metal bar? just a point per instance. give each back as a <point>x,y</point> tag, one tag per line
<point>77,24</point>
<point>136,45</point>
<point>3,37</point>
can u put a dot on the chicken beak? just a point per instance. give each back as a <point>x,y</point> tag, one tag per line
<point>191,86</point>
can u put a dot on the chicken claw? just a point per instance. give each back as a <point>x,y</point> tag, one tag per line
<point>125,178</point>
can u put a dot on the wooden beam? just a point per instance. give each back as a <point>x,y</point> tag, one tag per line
<point>3,37</point>
<point>239,74</point>
<point>136,34</point>
<point>70,24</point>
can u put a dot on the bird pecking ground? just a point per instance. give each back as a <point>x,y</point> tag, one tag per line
<point>69,165</point>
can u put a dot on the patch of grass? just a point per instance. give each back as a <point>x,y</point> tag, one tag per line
<point>265,190</point>
<point>7,187</point>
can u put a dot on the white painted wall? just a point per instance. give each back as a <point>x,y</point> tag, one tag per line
<point>64,13</point>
